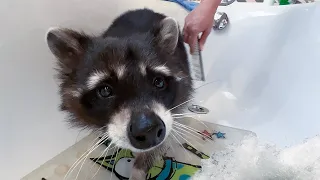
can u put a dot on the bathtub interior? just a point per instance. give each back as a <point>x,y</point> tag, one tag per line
<point>263,70</point>
<point>264,65</point>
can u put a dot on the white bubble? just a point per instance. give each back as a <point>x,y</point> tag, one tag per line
<point>251,160</point>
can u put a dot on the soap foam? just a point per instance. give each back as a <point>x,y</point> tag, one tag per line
<point>251,160</point>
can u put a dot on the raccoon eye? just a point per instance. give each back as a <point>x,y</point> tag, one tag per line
<point>104,91</point>
<point>159,83</point>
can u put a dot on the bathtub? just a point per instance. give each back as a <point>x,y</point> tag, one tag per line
<point>264,67</point>
<point>264,72</point>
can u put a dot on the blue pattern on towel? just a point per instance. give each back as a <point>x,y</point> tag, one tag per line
<point>188,5</point>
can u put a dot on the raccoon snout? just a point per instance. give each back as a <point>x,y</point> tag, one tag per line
<point>146,130</point>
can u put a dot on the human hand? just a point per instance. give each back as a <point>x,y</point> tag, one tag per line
<point>200,20</point>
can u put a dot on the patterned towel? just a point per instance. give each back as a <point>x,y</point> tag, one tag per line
<point>187,4</point>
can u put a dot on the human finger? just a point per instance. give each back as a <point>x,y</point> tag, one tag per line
<point>185,36</point>
<point>185,31</point>
<point>204,37</point>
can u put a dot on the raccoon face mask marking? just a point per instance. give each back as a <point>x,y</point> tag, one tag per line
<point>124,80</point>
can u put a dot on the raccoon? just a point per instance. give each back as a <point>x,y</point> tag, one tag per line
<point>126,81</point>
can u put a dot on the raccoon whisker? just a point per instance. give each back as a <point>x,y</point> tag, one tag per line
<point>170,144</point>
<point>194,119</point>
<point>191,98</point>
<point>106,153</point>
<point>180,105</point>
<point>180,144</point>
<point>91,132</point>
<point>96,130</point>
<point>114,164</point>
<point>76,163</point>
<point>183,125</point>
<point>184,77</point>
<point>206,84</point>
<point>102,161</point>
<point>79,134</point>
<point>182,117</point>
<point>103,134</point>
<point>104,138</point>
<point>178,115</point>
<point>180,134</point>
<point>106,149</point>
<point>196,135</point>
<point>186,127</point>
<point>189,128</point>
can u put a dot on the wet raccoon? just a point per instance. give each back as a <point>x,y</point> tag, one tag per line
<point>126,81</point>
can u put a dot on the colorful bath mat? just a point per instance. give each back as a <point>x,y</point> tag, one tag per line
<point>180,162</point>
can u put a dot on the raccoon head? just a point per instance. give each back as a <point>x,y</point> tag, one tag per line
<point>123,85</point>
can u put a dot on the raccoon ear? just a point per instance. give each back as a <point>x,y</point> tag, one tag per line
<point>168,34</point>
<point>66,44</point>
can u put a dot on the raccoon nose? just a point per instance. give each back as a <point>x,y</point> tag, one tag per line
<point>146,130</point>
